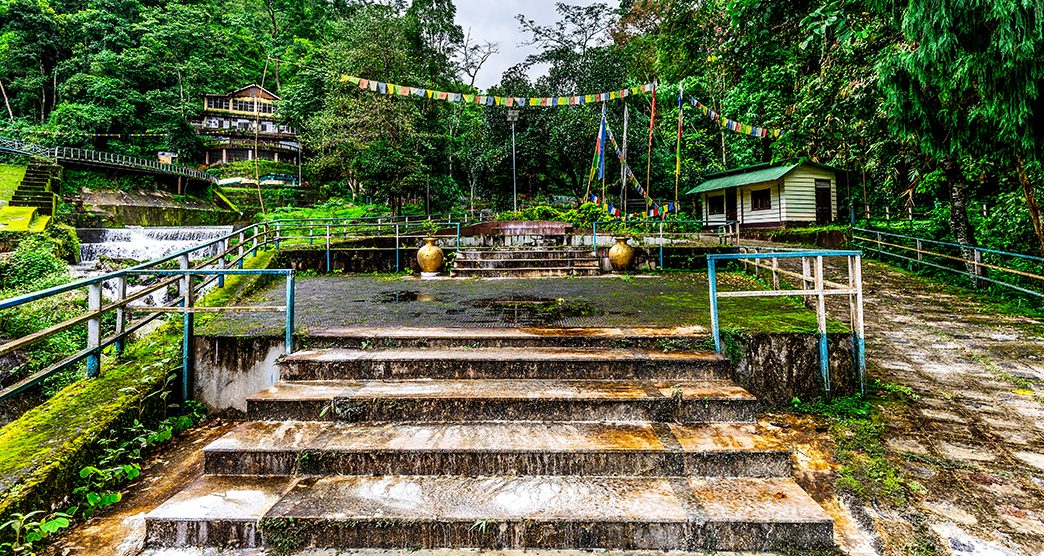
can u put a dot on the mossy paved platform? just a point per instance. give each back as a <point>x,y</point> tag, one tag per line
<point>22,219</point>
<point>669,300</point>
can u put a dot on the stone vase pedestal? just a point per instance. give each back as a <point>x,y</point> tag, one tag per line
<point>621,255</point>
<point>430,258</point>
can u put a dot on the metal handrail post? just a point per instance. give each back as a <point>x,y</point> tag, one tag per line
<point>94,302</point>
<point>121,314</point>
<point>712,279</point>
<point>860,334</point>
<point>594,237</point>
<point>661,245</point>
<point>187,329</point>
<point>222,262</point>
<point>239,253</point>
<point>290,312</point>
<point>824,356</point>
<point>397,264</point>
<point>328,248</point>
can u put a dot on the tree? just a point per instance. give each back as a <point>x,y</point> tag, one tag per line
<point>967,85</point>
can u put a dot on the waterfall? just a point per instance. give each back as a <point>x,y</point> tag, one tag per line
<point>144,244</point>
<point>141,244</point>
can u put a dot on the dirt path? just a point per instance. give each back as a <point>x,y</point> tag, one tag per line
<point>973,438</point>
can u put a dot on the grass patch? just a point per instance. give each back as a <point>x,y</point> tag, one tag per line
<point>17,219</point>
<point>857,424</point>
<point>10,176</point>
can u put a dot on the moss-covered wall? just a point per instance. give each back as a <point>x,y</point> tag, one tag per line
<point>778,367</point>
<point>42,452</point>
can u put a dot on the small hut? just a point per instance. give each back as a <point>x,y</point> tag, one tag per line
<point>770,196</point>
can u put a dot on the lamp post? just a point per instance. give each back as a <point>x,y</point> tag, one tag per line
<point>512,116</point>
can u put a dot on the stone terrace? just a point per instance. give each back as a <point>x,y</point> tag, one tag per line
<point>670,300</point>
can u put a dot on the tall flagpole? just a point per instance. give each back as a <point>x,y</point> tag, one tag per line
<point>648,162</point>
<point>601,161</point>
<point>623,167</point>
<point>677,166</point>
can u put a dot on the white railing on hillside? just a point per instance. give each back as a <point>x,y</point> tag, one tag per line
<point>103,158</point>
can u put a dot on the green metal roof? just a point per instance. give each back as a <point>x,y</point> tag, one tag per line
<point>743,176</point>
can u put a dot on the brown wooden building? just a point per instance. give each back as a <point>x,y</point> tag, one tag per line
<point>235,121</point>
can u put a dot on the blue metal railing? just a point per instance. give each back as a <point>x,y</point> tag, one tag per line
<point>975,269</point>
<point>103,158</point>
<point>231,252</point>
<point>813,285</point>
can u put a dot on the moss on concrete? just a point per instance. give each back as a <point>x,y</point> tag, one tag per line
<point>43,451</point>
<point>16,219</point>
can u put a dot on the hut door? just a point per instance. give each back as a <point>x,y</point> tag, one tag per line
<point>824,210</point>
<point>730,205</point>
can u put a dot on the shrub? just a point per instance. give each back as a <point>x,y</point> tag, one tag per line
<point>36,262</point>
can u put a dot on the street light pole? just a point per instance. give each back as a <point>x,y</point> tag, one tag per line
<point>512,116</point>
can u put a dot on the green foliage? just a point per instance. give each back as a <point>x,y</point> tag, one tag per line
<point>123,451</point>
<point>43,451</point>
<point>581,218</point>
<point>34,263</point>
<point>858,426</point>
<point>28,530</point>
<point>39,262</point>
<point>332,208</point>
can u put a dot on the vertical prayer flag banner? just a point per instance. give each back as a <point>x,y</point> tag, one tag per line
<point>555,101</point>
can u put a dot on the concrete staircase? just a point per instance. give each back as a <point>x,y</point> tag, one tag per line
<point>36,188</point>
<point>500,439</point>
<point>522,262</point>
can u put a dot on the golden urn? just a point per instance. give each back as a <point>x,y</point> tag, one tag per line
<point>430,257</point>
<point>621,255</point>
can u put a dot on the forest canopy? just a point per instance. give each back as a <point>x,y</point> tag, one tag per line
<point>931,107</point>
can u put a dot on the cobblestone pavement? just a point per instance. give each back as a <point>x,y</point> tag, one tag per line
<point>974,438</point>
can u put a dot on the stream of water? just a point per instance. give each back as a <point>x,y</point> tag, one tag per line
<point>140,244</point>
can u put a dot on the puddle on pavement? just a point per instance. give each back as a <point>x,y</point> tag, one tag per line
<point>403,296</point>
<point>535,311</point>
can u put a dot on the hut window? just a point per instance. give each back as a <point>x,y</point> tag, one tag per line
<point>716,204</point>
<point>761,199</point>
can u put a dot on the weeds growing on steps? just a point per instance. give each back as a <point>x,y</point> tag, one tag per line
<point>857,425</point>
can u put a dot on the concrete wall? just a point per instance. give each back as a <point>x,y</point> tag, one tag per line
<point>780,367</point>
<point>229,369</point>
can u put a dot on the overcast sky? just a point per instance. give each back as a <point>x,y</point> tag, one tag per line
<point>494,20</point>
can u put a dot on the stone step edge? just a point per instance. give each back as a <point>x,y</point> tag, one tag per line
<point>495,354</point>
<point>779,515</point>
<point>542,448</point>
<point>483,400</point>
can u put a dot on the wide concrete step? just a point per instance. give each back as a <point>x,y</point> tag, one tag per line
<point>501,448</point>
<point>424,400</point>
<point>554,512</point>
<point>461,264</point>
<point>462,363</point>
<point>524,272</point>
<point>682,337</point>
<point>535,253</point>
